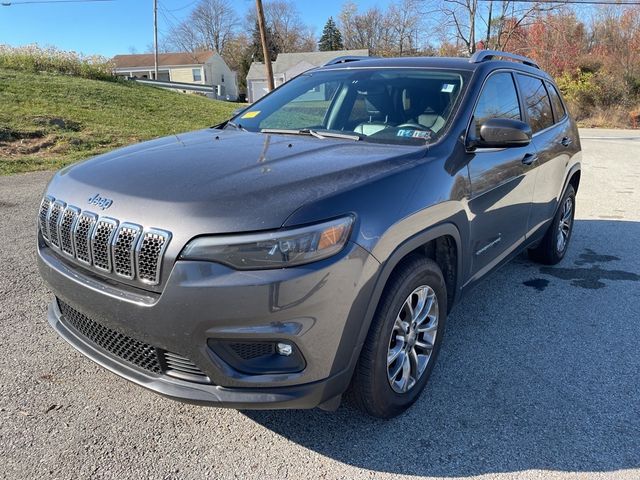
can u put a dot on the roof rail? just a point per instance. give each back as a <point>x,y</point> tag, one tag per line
<point>483,55</point>
<point>345,59</point>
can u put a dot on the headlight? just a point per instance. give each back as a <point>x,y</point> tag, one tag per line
<point>278,249</point>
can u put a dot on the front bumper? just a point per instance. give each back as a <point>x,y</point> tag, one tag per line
<point>319,307</point>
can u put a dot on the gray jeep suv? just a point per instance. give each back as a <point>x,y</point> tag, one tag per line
<point>313,244</point>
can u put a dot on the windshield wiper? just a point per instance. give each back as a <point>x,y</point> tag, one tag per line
<point>313,133</point>
<point>235,125</point>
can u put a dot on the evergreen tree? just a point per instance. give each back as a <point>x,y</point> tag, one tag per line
<point>256,44</point>
<point>331,38</point>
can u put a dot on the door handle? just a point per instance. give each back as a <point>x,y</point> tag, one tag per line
<point>529,158</point>
<point>566,141</point>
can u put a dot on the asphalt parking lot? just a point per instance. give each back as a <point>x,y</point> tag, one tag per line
<point>539,375</point>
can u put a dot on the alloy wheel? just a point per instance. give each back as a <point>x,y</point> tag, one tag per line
<point>412,339</point>
<point>564,226</point>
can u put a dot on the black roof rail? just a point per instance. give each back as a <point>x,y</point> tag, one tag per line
<point>483,55</point>
<point>345,59</point>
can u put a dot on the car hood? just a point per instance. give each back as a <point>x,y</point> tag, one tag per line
<point>222,181</point>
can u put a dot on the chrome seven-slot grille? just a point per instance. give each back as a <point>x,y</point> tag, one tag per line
<point>128,250</point>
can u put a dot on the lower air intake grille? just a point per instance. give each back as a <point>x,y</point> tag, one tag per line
<point>250,350</point>
<point>177,366</point>
<point>133,351</point>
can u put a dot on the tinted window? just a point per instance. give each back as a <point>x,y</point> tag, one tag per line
<point>497,100</point>
<point>558,108</point>
<point>536,102</point>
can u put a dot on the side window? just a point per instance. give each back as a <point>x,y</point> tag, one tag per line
<point>536,102</point>
<point>558,108</point>
<point>497,100</point>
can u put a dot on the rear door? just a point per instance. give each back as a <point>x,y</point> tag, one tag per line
<point>552,137</point>
<point>502,180</point>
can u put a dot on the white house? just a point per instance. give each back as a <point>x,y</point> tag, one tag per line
<point>202,68</point>
<point>288,66</point>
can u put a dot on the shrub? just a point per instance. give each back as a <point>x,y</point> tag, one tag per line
<point>35,59</point>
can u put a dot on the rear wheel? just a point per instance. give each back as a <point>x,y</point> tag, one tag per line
<point>555,242</point>
<point>403,341</point>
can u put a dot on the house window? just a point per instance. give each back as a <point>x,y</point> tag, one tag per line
<point>197,75</point>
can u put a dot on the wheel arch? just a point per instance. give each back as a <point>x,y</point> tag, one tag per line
<point>437,240</point>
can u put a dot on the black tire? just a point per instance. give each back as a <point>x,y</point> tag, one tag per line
<point>371,389</point>
<point>548,251</point>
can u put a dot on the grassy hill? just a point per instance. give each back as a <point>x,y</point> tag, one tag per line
<point>50,120</point>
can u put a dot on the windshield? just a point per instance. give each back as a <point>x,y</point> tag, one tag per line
<point>397,106</point>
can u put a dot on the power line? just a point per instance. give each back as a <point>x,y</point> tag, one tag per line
<point>25,2</point>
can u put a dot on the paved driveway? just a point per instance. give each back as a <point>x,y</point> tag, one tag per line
<point>539,375</point>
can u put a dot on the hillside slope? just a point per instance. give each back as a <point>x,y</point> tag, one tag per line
<point>48,120</point>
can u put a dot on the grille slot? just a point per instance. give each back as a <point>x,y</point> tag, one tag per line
<point>54,216</point>
<point>149,255</point>
<point>177,364</point>
<point>129,349</point>
<point>250,350</point>
<point>126,250</point>
<point>101,243</point>
<point>43,216</point>
<point>65,232</point>
<point>135,352</point>
<point>123,249</point>
<point>82,236</point>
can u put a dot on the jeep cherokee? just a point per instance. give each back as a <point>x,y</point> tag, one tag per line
<point>313,244</point>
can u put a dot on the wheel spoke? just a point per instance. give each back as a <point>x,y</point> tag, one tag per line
<point>401,325</point>
<point>406,374</point>
<point>420,304</point>
<point>399,366</point>
<point>393,354</point>
<point>429,303</point>
<point>425,344</point>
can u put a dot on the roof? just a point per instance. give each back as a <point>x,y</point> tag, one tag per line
<point>286,61</point>
<point>164,59</point>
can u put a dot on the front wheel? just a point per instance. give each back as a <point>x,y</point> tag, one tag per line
<point>403,341</point>
<point>555,242</point>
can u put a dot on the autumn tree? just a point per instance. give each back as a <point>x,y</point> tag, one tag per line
<point>331,38</point>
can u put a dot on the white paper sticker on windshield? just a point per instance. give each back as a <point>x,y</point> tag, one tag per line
<point>448,87</point>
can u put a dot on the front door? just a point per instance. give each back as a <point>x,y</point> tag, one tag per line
<point>502,181</point>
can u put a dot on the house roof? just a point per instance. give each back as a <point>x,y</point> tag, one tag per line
<point>286,61</point>
<point>164,59</point>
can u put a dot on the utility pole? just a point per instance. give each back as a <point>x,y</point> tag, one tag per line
<point>265,46</point>
<point>155,36</point>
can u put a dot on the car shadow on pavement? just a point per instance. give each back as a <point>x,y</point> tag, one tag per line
<point>540,369</point>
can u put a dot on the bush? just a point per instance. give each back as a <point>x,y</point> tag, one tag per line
<point>35,59</point>
<point>598,98</point>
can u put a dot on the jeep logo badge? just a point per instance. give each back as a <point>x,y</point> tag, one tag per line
<point>101,202</point>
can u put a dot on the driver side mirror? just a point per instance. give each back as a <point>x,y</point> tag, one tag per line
<point>501,133</point>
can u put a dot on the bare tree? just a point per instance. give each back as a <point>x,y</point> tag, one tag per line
<point>211,26</point>
<point>466,20</point>
<point>407,22</point>
<point>370,29</point>
<point>290,33</point>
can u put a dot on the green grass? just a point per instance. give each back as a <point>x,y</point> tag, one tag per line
<point>50,120</point>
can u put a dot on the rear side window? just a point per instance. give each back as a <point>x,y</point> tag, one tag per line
<point>497,100</point>
<point>558,108</point>
<point>536,102</point>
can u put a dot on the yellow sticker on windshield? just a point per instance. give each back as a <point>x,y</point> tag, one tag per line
<point>251,114</point>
